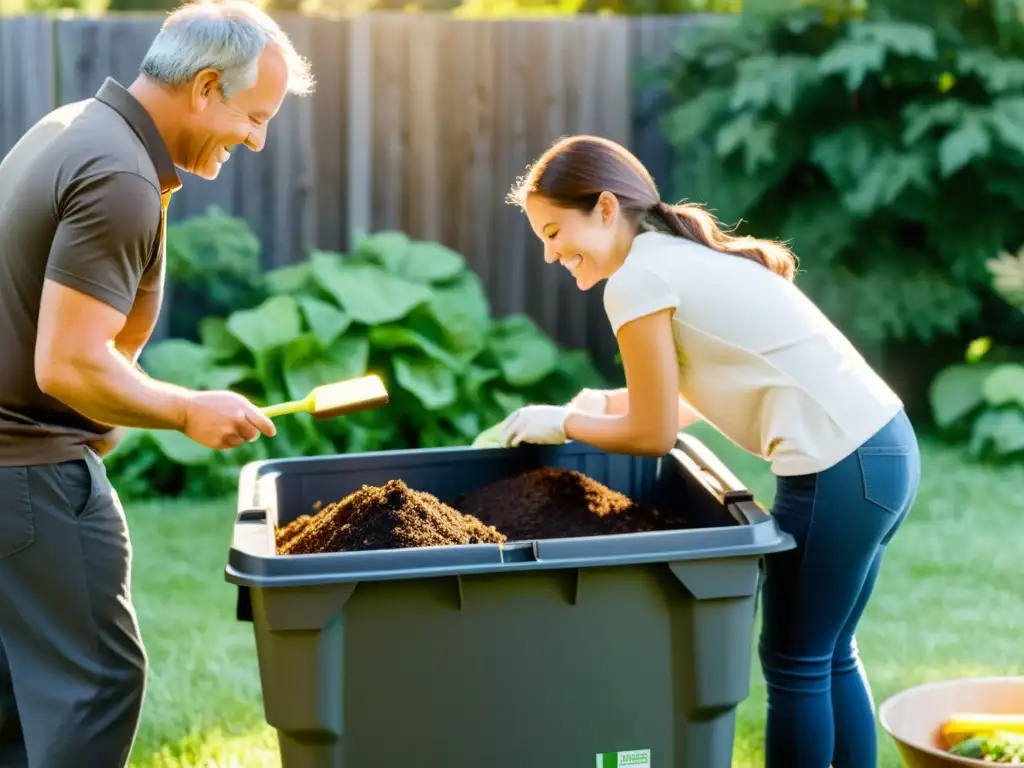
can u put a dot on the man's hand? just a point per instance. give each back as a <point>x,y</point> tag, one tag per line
<point>222,420</point>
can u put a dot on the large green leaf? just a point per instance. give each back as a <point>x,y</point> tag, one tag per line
<point>1005,385</point>
<point>508,401</point>
<point>997,73</point>
<point>999,431</point>
<point>854,60</point>
<point>215,336</point>
<point>770,80</point>
<point>178,361</point>
<point>475,380</point>
<point>387,248</point>
<point>900,37</point>
<point>888,176</point>
<point>462,310</point>
<point>429,381</point>
<point>272,324</point>
<point>431,262</point>
<point>1007,122</point>
<point>291,279</point>
<point>922,117</point>
<point>524,354</point>
<point>968,142</point>
<point>326,321</point>
<point>367,293</point>
<point>415,260</point>
<point>957,391</point>
<point>308,364</point>
<point>845,154</point>
<point>395,336</point>
<point>753,136</point>
<point>577,366</point>
<point>226,376</point>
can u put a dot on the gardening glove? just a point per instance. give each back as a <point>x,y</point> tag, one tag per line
<point>540,424</point>
<point>593,401</point>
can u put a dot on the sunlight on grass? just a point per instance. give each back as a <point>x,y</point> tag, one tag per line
<point>946,606</point>
<point>213,749</point>
<point>203,704</point>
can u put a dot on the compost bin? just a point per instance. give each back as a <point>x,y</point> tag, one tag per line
<point>608,650</point>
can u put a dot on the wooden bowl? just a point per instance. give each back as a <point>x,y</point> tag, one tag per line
<point>914,717</point>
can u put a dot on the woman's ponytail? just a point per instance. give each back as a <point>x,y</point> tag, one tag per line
<point>696,224</point>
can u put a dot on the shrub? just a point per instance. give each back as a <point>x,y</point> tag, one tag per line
<point>982,399</point>
<point>213,266</point>
<point>884,140</point>
<point>410,311</point>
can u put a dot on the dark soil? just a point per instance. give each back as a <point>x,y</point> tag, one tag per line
<point>541,504</point>
<point>551,503</point>
<point>392,516</point>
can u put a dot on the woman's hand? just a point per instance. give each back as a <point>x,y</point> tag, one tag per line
<point>644,420</point>
<point>538,424</point>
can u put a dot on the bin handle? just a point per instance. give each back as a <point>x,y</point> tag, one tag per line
<point>729,487</point>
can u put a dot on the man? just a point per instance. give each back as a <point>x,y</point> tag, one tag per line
<point>83,205</point>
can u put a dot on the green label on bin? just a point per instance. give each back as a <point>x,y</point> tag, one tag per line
<point>634,758</point>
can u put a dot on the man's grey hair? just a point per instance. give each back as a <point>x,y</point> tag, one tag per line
<point>226,35</point>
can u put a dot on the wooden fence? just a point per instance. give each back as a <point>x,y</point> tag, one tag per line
<point>419,123</point>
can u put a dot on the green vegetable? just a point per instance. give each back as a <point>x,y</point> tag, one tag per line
<point>998,748</point>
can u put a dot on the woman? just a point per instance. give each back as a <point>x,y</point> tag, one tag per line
<point>711,327</point>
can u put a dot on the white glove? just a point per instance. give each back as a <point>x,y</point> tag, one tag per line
<point>540,424</point>
<point>593,401</point>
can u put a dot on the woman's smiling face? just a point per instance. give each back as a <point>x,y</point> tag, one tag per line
<point>587,243</point>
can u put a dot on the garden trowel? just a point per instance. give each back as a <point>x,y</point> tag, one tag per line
<point>338,399</point>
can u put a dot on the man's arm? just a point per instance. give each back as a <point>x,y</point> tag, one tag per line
<point>141,321</point>
<point>77,363</point>
<point>102,246</point>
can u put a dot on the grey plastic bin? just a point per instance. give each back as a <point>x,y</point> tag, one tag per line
<point>559,653</point>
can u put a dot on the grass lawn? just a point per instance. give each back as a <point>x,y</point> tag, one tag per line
<point>947,604</point>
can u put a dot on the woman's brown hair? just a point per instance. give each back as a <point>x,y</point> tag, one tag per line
<point>576,170</point>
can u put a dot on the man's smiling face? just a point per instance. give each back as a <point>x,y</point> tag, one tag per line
<point>218,125</point>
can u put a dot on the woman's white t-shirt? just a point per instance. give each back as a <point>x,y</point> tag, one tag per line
<point>757,359</point>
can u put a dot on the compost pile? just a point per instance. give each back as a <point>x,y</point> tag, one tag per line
<point>540,504</point>
<point>392,516</point>
<point>551,503</point>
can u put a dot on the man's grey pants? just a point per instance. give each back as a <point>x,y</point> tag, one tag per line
<point>72,664</point>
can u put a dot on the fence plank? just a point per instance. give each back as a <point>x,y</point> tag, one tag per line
<point>331,129</point>
<point>27,90</point>
<point>359,116</point>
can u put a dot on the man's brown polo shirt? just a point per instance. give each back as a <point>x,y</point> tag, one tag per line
<point>83,201</point>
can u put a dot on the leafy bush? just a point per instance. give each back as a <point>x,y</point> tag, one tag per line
<point>982,399</point>
<point>884,140</point>
<point>213,266</point>
<point>411,311</point>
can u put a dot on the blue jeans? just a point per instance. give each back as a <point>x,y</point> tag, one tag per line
<point>820,709</point>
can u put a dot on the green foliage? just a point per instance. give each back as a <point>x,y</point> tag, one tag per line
<point>213,265</point>
<point>983,398</point>
<point>885,144</point>
<point>410,311</point>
